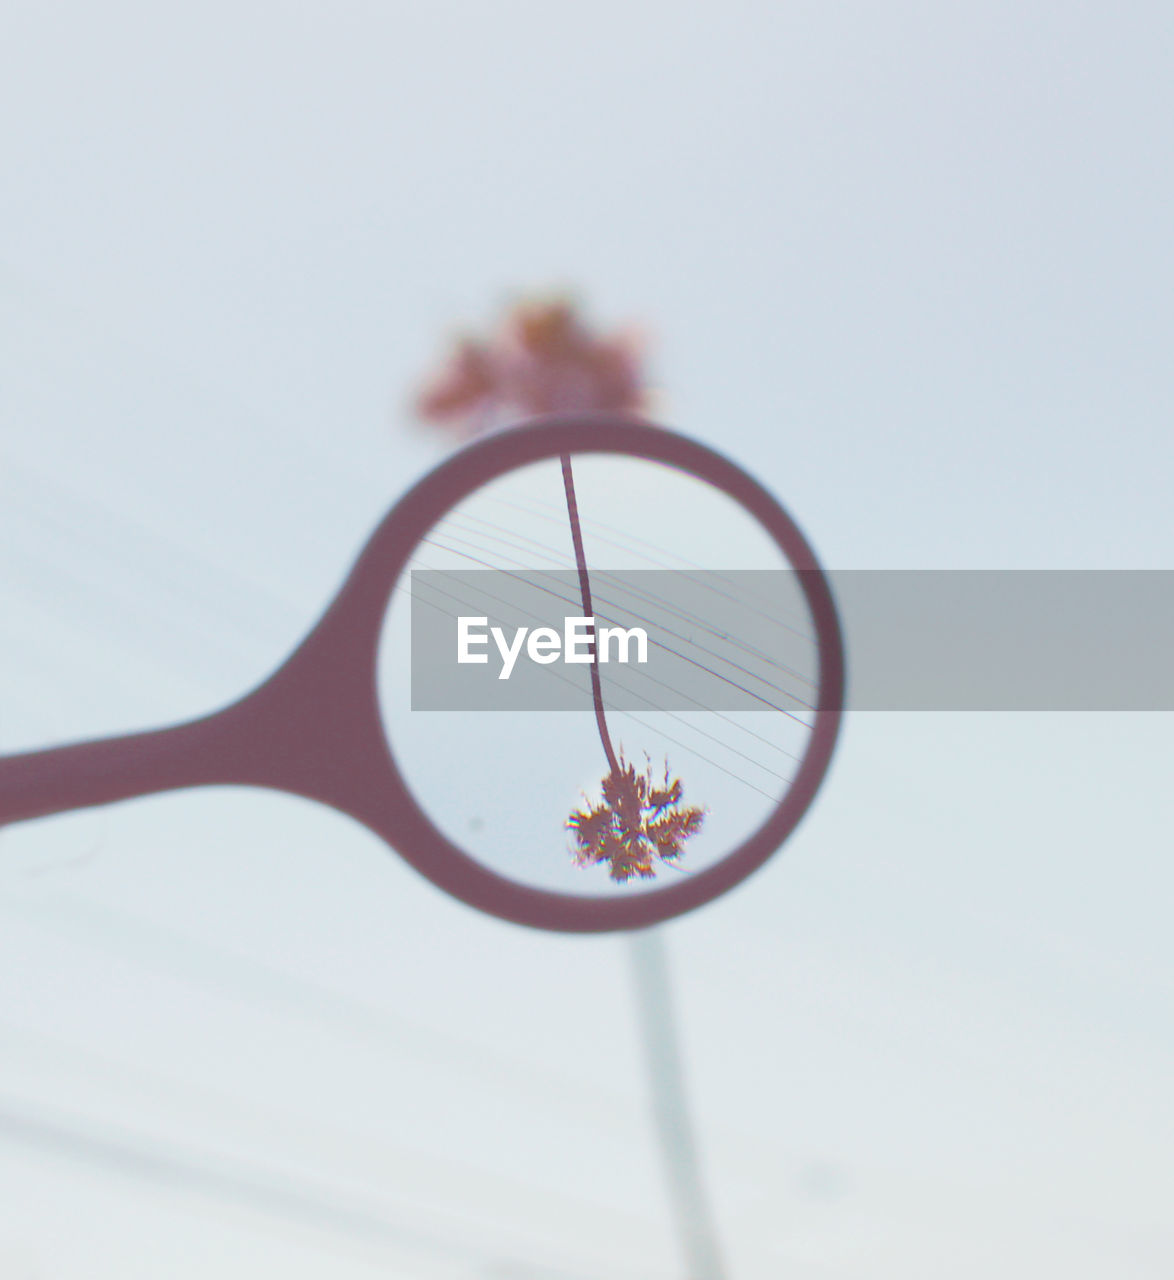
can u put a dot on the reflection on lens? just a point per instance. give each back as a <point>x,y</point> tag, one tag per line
<point>598,677</point>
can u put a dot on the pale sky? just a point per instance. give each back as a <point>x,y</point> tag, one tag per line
<point>908,264</point>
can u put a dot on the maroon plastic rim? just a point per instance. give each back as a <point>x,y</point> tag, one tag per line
<point>387,554</point>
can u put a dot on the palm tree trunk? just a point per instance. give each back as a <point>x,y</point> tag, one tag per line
<point>588,611</point>
<point>692,1214</point>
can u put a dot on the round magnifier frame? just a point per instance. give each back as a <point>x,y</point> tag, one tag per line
<point>448,866</point>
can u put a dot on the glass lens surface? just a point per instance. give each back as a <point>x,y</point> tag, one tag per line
<point>615,756</point>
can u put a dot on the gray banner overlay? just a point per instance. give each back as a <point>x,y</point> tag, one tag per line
<point>743,640</point>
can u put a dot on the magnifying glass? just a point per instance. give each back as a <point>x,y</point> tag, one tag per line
<point>589,788</point>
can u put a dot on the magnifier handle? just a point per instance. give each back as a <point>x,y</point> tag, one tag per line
<point>39,783</point>
<point>309,730</point>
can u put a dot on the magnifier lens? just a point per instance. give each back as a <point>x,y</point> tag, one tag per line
<point>707,673</point>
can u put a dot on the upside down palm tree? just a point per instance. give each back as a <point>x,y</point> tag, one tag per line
<point>542,359</point>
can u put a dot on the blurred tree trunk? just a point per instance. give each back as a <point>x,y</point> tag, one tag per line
<point>689,1203</point>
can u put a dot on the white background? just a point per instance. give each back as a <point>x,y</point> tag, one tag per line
<point>909,263</point>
